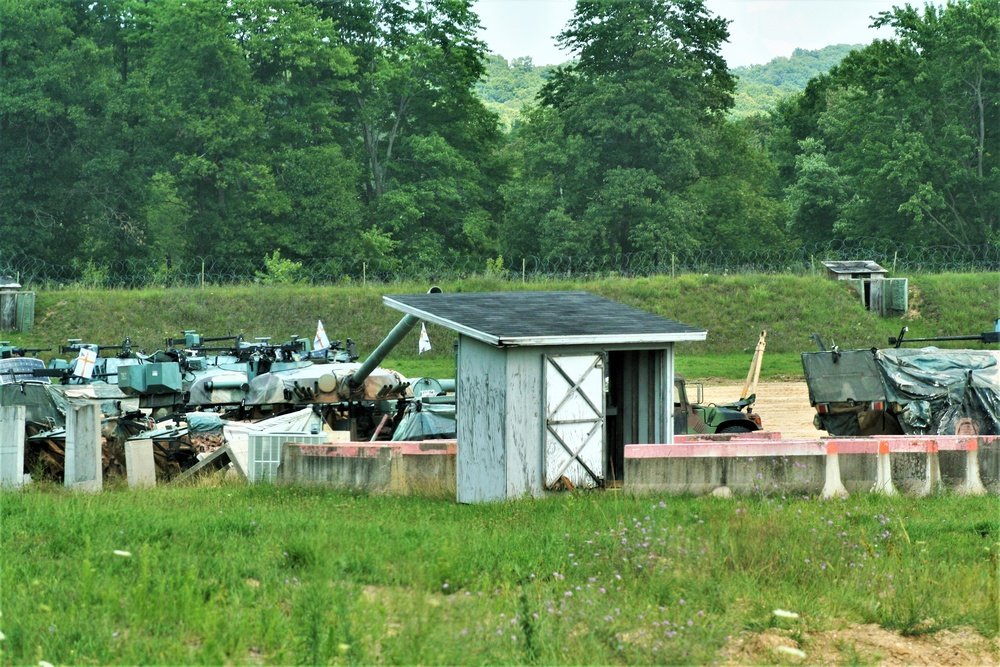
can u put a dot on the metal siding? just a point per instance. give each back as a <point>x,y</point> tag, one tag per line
<point>525,422</point>
<point>480,462</point>
<point>898,303</point>
<point>878,297</point>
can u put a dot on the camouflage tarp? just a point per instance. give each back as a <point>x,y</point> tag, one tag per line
<point>943,391</point>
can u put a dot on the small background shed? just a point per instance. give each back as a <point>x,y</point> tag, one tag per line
<point>551,386</point>
<point>879,294</point>
<point>17,308</point>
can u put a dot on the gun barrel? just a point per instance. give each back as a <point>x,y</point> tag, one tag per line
<point>985,337</point>
<point>397,334</point>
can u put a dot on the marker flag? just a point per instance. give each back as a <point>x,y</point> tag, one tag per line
<point>85,363</point>
<point>425,342</point>
<point>320,342</point>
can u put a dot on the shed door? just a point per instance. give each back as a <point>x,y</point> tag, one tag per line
<point>574,421</point>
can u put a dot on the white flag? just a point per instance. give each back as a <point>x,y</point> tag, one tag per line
<point>320,342</point>
<point>425,342</point>
<point>85,362</point>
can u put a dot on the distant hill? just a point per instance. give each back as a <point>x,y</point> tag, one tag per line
<point>761,87</point>
<point>509,86</point>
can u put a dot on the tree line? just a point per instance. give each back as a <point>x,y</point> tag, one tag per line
<point>153,131</point>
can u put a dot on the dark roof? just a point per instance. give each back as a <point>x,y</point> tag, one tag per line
<point>543,318</point>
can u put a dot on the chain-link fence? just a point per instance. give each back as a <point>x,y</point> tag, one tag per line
<point>193,271</point>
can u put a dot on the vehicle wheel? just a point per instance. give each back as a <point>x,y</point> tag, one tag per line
<point>734,429</point>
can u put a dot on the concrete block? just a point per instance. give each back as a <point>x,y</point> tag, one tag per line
<point>139,463</point>
<point>12,446</point>
<point>83,470</point>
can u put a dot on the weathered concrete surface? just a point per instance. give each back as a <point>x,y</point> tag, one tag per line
<point>139,463</point>
<point>83,469</point>
<point>423,468</point>
<point>803,468</point>
<point>11,446</point>
<point>429,467</point>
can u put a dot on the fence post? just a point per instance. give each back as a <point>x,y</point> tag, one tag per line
<point>673,260</point>
<point>364,273</point>
<point>523,268</point>
<point>203,274</point>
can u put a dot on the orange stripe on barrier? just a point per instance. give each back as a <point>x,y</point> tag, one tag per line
<point>883,447</point>
<point>831,448</point>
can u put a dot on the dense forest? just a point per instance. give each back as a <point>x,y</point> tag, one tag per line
<point>159,131</point>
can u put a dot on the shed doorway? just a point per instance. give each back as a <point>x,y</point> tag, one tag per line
<point>574,421</point>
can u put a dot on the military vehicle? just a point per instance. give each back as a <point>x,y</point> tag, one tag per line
<point>364,399</point>
<point>891,391</point>
<point>712,418</point>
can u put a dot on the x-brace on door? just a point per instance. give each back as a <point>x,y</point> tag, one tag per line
<point>574,421</point>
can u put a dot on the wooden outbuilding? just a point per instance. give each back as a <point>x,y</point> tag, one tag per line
<point>551,386</point>
<point>17,308</point>
<point>879,293</point>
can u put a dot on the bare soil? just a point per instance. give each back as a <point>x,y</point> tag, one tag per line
<point>854,644</point>
<point>783,406</point>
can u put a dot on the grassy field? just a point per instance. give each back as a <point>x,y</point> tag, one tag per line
<point>233,574</point>
<point>733,309</point>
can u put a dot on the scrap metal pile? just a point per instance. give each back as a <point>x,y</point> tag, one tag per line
<point>198,395</point>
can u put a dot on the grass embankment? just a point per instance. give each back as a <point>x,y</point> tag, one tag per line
<point>289,575</point>
<point>733,309</point>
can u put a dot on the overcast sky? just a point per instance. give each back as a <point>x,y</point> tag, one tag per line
<point>760,29</point>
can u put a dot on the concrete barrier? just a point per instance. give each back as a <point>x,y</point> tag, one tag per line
<point>424,468</point>
<point>749,463</point>
<point>881,464</point>
<point>11,446</point>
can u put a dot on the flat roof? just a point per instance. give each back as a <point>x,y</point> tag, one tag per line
<point>543,318</point>
<point>853,266</point>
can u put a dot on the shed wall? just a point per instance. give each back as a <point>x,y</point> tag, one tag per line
<point>481,463</point>
<point>525,420</point>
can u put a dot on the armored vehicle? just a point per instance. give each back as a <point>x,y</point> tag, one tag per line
<point>926,391</point>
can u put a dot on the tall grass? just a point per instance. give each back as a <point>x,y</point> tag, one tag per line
<point>298,575</point>
<point>733,309</point>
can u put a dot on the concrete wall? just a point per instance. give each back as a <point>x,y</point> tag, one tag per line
<point>773,475</point>
<point>84,470</point>
<point>422,468</point>
<point>11,446</point>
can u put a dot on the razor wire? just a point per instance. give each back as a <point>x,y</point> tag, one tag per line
<point>195,271</point>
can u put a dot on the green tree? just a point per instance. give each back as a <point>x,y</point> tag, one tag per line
<point>632,117</point>
<point>816,198</point>
<point>426,142</point>
<point>909,129</point>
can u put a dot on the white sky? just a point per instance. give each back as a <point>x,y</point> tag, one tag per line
<point>760,29</point>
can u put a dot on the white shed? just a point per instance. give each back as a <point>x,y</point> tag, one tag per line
<point>551,386</point>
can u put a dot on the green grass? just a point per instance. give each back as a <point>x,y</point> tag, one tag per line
<point>733,309</point>
<point>294,575</point>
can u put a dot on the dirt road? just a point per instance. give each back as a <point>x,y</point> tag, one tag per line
<point>783,406</point>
